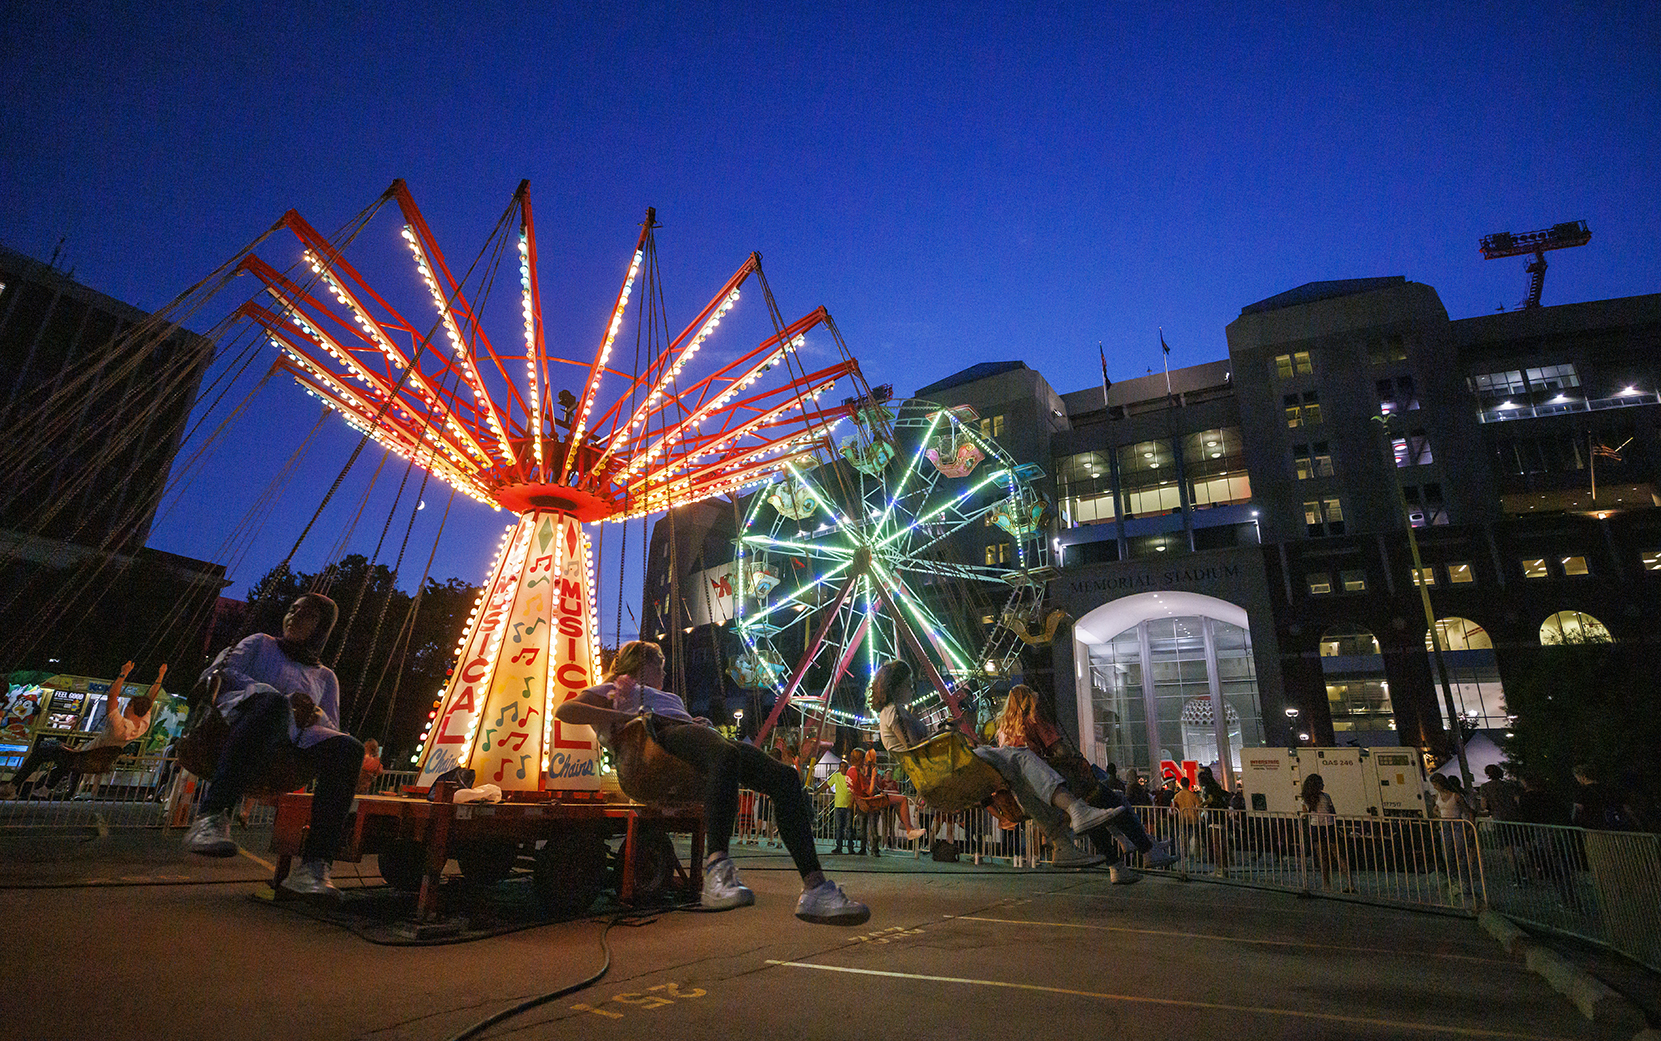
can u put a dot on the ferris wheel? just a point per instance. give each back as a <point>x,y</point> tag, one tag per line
<point>885,554</point>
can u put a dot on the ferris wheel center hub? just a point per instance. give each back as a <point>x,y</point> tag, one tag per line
<point>583,505</point>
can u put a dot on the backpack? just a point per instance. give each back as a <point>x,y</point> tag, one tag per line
<point>945,851</point>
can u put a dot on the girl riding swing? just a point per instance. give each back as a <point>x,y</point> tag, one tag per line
<point>633,687</point>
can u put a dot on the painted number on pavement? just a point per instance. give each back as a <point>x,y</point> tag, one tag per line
<point>652,997</point>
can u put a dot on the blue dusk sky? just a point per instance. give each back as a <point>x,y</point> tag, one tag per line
<point>957,183</point>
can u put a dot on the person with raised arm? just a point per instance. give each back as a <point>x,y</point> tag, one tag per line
<point>121,726</point>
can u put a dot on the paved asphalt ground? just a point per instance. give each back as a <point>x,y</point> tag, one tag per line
<point>125,936</point>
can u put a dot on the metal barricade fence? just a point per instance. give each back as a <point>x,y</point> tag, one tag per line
<point>1603,886</point>
<point>149,793</point>
<point>980,835</point>
<point>1398,861</point>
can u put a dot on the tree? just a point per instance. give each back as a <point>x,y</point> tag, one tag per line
<point>1587,702</point>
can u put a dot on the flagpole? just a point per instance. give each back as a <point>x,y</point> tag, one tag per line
<point>1592,463</point>
<point>1165,354</point>
<point>1106,383</point>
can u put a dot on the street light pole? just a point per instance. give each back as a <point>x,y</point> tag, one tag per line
<point>1453,714</point>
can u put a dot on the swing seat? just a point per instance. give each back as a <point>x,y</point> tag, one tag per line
<point>95,762</point>
<point>648,773</point>
<point>948,775</point>
<point>199,749</point>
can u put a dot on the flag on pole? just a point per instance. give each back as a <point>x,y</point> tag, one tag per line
<point>1599,448</point>
<point>1162,344</point>
<point>1106,383</point>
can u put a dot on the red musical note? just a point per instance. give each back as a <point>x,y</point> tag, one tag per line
<point>519,656</point>
<point>542,563</point>
<point>506,762</point>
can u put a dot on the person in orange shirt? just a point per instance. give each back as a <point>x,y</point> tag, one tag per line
<point>372,767</point>
<point>872,799</point>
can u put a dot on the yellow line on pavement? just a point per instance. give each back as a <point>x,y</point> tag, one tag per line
<point>1234,939</point>
<point>266,864</point>
<point>1394,1024</point>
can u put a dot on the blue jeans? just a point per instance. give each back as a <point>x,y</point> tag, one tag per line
<point>842,815</point>
<point>1033,783</point>
<point>1131,834</point>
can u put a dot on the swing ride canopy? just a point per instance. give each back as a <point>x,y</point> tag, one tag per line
<point>524,426</point>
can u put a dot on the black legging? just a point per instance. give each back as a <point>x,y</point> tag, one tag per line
<point>259,733</point>
<point>728,764</point>
<point>47,750</point>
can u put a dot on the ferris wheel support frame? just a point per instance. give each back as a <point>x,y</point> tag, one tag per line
<point>861,562</point>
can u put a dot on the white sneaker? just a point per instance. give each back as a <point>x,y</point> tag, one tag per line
<point>914,834</point>
<point>1160,855</point>
<point>1084,816</point>
<point>1070,856</point>
<point>826,904</point>
<point>1122,876</point>
<point>722,889</point>
<point>210,835</point>
<point>311,878</point>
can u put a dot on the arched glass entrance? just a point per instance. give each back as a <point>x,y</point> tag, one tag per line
<point>1168,676</point>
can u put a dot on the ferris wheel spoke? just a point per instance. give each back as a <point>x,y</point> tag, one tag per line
<point>910,470</point>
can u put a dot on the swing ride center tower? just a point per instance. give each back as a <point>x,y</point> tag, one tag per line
<point>496,424</point>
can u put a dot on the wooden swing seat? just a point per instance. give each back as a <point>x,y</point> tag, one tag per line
<point>648,773</point>
<point>199,749</point>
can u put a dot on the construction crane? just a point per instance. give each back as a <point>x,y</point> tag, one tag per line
<point>1558,236</point>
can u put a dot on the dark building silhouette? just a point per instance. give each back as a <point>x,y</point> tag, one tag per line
<point>94,395</point>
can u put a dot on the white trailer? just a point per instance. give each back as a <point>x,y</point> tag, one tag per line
<point>1369,782</point>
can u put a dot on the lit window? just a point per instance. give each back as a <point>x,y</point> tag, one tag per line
<point>1320,583</point>
<point>1460,573</point>
<point>1572,627</point>
<point>1534,568</point>
<point>992,426</point>
<point>1651,559</point>
<point>1294,416</point>
<point>1412,450</point>
<point>998,553</point>
<point>1425,574</point>
<point>1355,581</point>
<point>1288,365</point>
<point>1323,459</point>
<point>1311,409</point>
<point>1575,566</point>
<point>1397,395</point>
<point>1324,517</point>
<point>1301,463</point>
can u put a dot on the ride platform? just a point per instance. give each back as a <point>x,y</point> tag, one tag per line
<point>568,843</point>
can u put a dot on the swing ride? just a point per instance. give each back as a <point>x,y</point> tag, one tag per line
<point>563,438</point>
<point>489,421</point>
